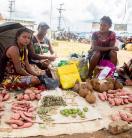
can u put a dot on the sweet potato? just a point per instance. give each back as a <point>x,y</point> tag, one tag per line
<point>125,100</point>
<point>130,99</point>
<point>25,117</point>
<point>19,108</point>
<point>31,109</point>
<point>117,101</point>
<point>38,96</point>
<point>26,125</point>
<point>1,105</point>
<point>17,122</point>
<point>110,95</point>
<point>129,119</point>
<point>15,116</point>
<point>20,97</point>
<point>111,101</point>
<point>105,95</point>
<point>115,117</point>
<point>123,116</point>
<point>28,114</point>
<point>32,96</point>
<point>14,126</point>
<point>101,97</point>
<point>27,91</point>
<point>6,97</point>
<point>26,97</point>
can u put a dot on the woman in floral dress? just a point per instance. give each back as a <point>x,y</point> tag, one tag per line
<point>18,72</point>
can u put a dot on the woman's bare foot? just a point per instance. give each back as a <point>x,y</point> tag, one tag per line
<point>128,82</point>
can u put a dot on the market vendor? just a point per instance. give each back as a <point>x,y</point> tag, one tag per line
<point>16,68</point>
<point>103,45</point>
<point>40,47</point>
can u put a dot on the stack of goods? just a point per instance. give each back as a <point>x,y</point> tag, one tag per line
<point>23,116</point>
<point>85,90</point>
<point>49,103</point>
<point>29,95</point>
<point>4,96</point>
<point>125,115</point>
<point>116,97</point>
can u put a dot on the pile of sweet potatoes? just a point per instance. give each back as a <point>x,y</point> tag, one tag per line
<point>23,116</point>
<point>116,97</point>
<point>4,96</point>
<point>29,95</point>
<point>121,115</point>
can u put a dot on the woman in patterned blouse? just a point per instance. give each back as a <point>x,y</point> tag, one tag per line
<point>103,45</point>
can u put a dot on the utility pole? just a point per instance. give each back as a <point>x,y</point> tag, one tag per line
<point>11,8</point>
<point>60,16</point>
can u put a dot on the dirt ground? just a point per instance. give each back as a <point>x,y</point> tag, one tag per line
<point>98,134</point>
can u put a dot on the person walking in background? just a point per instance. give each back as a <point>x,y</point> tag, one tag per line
<point>103,45</point>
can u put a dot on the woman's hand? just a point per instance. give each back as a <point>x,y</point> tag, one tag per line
<point>115,48</point>
<point>52,57</point>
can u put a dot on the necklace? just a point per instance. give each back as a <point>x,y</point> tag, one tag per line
<point>22,56</point>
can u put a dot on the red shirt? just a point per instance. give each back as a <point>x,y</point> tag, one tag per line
<point>106,42</point>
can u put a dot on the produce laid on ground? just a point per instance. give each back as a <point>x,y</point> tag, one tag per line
<point>4,96</point>
<point>116,97</point>
<point>64,107</point>
<point>22,116</point>
<point>52,100</point>
<point>74,112</point>
<point>105,84</point>
<point>125,114</point>
<point>29,95</point>
<point>49,106</point>
<point>85,90</point>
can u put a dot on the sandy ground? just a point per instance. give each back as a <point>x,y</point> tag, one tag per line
<point>63,49</point>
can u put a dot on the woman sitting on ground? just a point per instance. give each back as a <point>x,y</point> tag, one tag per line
<point>103,45</point>
<point>41,51</point>
<point>125,73</point>
<point>17,70</point>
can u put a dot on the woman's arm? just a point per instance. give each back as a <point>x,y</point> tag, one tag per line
<point>28,67</point>
<point>14,55</point>
<point>35,56</point>
<point>50,48</point>
<point>99,48</point>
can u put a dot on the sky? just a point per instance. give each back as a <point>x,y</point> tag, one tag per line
<point>76,14</point>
